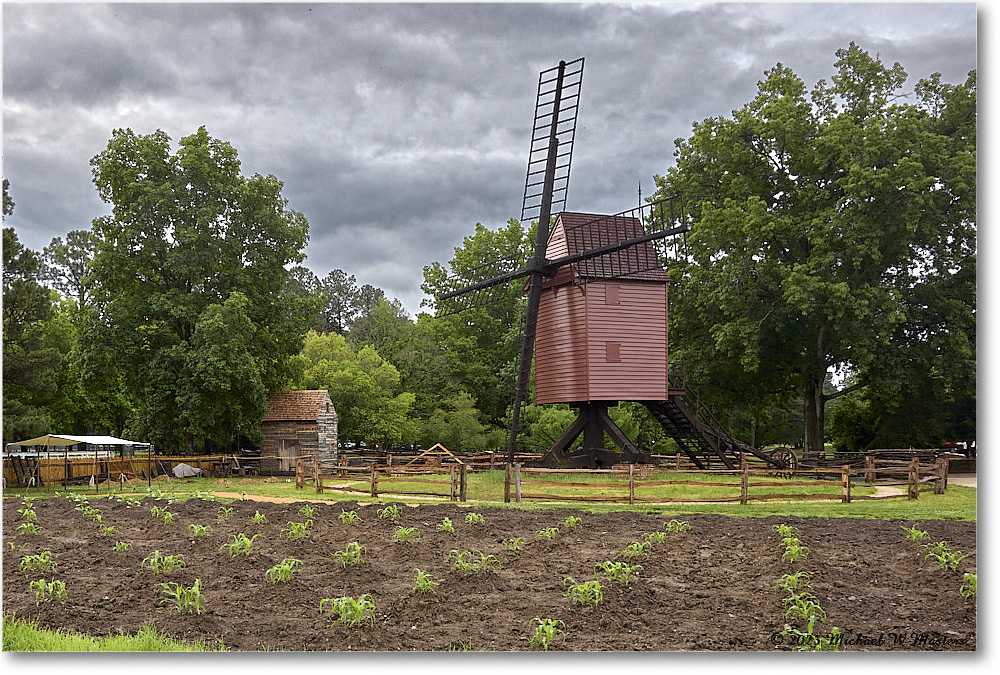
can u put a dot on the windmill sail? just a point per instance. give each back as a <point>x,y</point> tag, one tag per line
<point>558,101</point>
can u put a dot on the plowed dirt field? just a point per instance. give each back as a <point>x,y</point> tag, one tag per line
<point>710,588</point>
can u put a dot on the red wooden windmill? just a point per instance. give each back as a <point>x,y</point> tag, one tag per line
<point>596,319</point>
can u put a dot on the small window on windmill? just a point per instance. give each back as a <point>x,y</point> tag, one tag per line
<point>613,295</point>
<point>614,352</point>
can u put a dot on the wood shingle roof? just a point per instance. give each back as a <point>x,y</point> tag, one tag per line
<point>296,406</point>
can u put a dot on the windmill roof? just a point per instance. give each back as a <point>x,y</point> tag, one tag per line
<point>585,231</point>
<point>296,406</point>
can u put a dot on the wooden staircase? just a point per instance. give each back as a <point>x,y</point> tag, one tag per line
<point>696,431</point>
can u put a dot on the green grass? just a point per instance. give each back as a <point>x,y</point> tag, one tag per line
<point>20,635</point>
<point>486,489</point>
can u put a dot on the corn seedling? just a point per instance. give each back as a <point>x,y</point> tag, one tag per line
<point>27,502</point>
<point>546,631</point>
<point>199,530</point>
<point>47,591</point>
<point>350,517</point>
<point>129,502</point>
<point>296,531</point>
<point>588,593</point>
<point>446,526</point>
<point>572,521</point>
<point>349,611</point>
<point>390,512</point>
<point>635,549</point>
<point>183,599</point>
<point>677,526</point>
<point>224,512</point>
<point>258,518</point>
<point>423,582</point>
<point>239,544</point>
<point>161,512</point>
<point>467,561</point>
<point>618,572</point>
<point>41,562</point>
<point>784,530</point>
<point>204,496</point>
<point>548,533</point>
<point>474,518</point>
<point>282,572</point>
<point>308,511</point>
<point>513,544</point>
<point>804,606</point>
<point>351,555</point>
<point>28,528</point>
<point>968,589</point>
<point>28,514</point>
<point>913,534</point>
<point>945,557</point>
<point>808,641</point>
<point>108,530</point>
<point>793,582</point>
<point>405,535</point>
<point>159,563</point>
<point>656,537</point>
<point>90,513</point>
<point>123,546</point>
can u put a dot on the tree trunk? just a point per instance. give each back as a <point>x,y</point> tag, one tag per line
<point>813,404</point>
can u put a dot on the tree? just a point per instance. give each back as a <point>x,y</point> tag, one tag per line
<point>29,366</point>
<point>364,388</point>
<point>817,223</point>
<point>485,340</point>
<point>67,266</point>
<point>456,426</point>
<point>191,267</point>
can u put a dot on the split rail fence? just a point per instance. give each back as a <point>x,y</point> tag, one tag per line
<point>382,479</point>
<point>627,480</point>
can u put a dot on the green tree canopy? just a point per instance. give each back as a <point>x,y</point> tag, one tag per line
<point>364,388</point>
<point>191,268</point>
<point>818,222</point>
<point>485,340</point>
<point>29,366</point>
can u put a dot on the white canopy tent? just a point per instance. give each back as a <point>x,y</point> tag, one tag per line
<point>61,440</point>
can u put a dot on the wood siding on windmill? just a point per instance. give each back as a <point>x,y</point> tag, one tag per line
<point>604,340</point>
<point>299,423</point>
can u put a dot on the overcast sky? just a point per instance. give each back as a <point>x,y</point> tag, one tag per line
<point>397,127</point>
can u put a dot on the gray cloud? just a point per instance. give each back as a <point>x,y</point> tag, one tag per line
<point>396,128</point>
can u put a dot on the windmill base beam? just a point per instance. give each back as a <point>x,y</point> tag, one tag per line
<point>593,422</point>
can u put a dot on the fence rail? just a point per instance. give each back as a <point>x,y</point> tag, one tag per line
<point>310,469</point>
<point>916,476</point>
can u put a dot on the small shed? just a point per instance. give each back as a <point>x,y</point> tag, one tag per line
<point>298,423</point>
<point>602,323</point>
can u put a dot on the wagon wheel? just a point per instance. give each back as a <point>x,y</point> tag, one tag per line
<point>785,458</point>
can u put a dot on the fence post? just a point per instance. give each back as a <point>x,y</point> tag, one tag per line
<point>454,482</point>
<point>942,476</point>
<point>317,478</point>
<point>374,481</point>
<point>869,468</point>
<point>913,480</point>
<point>845,493</point>
<point>298,473</point>
<point>463,484</point>
<point>517,482</point>
<point>744,480</point>
<point>631,484</point>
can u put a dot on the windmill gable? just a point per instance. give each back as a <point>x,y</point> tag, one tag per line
<point>298,423</point>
